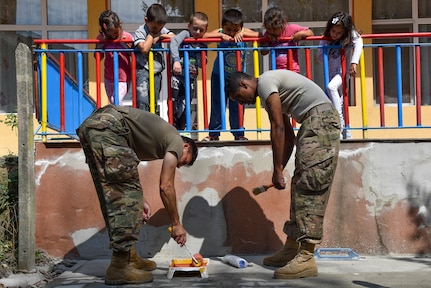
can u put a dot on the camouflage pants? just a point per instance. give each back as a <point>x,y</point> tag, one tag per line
<point>114,169</point>
<point>317,148</point>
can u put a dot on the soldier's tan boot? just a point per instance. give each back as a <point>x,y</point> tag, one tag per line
<point>137,262</point>
<point>120,271</point>
<point>279,259</point>
<point>302,266</point>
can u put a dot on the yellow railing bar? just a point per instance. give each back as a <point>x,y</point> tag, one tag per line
<point>151,81</point>
<point>363,97</point>
<point>44,89</point>
<point>256,74</point>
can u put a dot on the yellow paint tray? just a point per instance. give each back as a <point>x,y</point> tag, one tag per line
<point>186,268</point>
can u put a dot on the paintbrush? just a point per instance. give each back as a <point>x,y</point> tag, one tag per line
<point>261,189</point>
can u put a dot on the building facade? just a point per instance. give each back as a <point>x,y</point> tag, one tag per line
<point>26,20</point>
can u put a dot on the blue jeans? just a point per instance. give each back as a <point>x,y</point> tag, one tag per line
<point>179,100</point>
<point>143,89</point>
<point>216,113</point>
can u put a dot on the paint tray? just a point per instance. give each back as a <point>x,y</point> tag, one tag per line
<point>185,268</point>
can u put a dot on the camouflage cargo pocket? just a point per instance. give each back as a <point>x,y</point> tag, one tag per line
<point>101,121</point>
<point>317,169</point>
<point>121,163</point>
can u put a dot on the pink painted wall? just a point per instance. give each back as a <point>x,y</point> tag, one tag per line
<point>378,203</point>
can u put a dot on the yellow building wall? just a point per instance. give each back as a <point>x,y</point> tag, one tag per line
<point>364,93</point>
<point>8,138</point>
<point>362,14</point>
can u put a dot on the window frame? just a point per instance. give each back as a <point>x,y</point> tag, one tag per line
<point>415,22</point>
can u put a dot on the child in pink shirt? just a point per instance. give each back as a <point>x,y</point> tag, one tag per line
<point>276,27</point>
<point>110,29</point>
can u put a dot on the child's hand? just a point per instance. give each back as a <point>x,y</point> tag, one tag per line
<point>352,70</point>
<point>225,37</point>
<point>177,69</point>
<point>239,36</point>
<point>301,35</point>
<point>297,36</point>
<point>156,39</point>
<point>272,37</point>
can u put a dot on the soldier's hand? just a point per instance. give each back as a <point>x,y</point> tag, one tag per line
<point>178,233</point>
<point>279,181</point>
<point>146,214</point>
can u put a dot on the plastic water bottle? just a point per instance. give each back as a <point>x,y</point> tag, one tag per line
<point>235,261</point>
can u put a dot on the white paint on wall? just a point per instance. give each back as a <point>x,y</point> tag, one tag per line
<point>389,175</point>
<point>203,216</point>
<point>90,243</point>
<point>255,161</point>
<point>71,160</point>
<point>350,153</point>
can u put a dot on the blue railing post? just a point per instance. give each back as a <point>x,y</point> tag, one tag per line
<point>399,86</point>
<point>186,73</point>
<point>80,87</point>
<point>273,59</point>
<point>325,67</point>
<point>222,92</point>
<point>116,78</point>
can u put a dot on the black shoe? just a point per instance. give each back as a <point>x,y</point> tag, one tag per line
<point>241,138</point>
<point>211,138</point>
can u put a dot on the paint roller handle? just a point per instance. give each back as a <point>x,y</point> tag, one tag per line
<point>266,187</point>
<point>187,248</point>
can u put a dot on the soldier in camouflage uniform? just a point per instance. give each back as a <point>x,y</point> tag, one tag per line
<point>288,94</point>
<point>115,139</point>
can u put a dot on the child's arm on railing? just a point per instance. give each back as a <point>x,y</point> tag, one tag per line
<point>245,32</point>
<point>300,35</point>
<point>217,34</point>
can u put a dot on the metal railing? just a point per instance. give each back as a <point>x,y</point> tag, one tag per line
<point>62,107</point>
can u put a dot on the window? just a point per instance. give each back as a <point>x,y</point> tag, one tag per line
<point>310,10</point>
<point>27,13</point>
<point>400,16</point>
<point>390,66</point>
<point>251,10</point>
<point>26,20</point>
<point>132,12</point>
<point>8,89</point>
<point>66,12</point>
<point>424,9</point>
<point>394,9</point>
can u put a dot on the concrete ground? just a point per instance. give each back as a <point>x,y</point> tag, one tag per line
<point>369,271</point>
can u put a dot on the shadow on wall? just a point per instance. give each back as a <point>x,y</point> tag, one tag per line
<point>153,236</point>
<point>237,224</point>
<point>245,229</point>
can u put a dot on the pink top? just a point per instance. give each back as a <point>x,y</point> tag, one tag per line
<point>123,58</point>
<point>282,61</point>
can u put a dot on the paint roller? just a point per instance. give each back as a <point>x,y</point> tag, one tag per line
<point>197,259</point>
